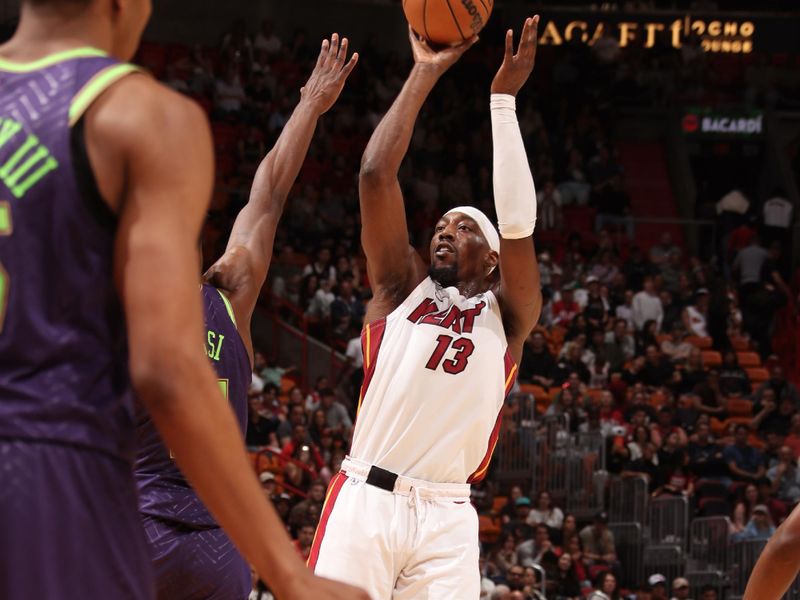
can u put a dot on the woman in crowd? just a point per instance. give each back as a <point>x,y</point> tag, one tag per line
<point>545,512</point>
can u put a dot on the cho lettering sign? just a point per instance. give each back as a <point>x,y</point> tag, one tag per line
<point>735,36</point>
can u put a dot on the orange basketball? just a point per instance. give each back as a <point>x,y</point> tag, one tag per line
<point>447,22</point>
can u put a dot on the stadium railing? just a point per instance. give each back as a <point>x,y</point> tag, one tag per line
<point>628,499</point>
<point>669,520</point>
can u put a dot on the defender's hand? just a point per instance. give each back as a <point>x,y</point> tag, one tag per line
<point>439,61</point>
<point>330,73</point>
<point>516,68</point>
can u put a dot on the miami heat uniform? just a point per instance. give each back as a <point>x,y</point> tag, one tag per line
<point>397,518</point>
<point>69,523</point>
<point>193,557</point>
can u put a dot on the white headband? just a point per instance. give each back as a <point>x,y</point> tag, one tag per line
<point>487,229</point>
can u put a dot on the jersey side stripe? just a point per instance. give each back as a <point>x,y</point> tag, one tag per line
<point>371,339</point>
<point>480,473</point>
<point>330,500</point>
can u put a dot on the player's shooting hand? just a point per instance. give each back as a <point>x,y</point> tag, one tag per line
<point>330,73</point>
<point>438,60</point>
<point>516,68</point>
<point>305,588</point>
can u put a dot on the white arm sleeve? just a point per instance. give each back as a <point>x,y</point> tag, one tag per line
<point>514,191</point>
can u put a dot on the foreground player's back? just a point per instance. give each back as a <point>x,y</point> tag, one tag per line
<point>63,346</point>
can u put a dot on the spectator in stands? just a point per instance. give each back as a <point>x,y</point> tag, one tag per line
<point>605,587</point>
<point>693,373</point>
<point>695,316</point>
<point>598,542</point>
<point>760,526</point>
<point>261,420</point>
<point>665,426</point>
<point>514,578</point>
<point>571,363</point>
<point>535,551</point>
<point>566,308</point>
<point>569,528</point>
<point>519,526</point>
<point>659,253</point>
<point>548,271</point>
<point>743,509</point>
<point>676,348</point>
<point>551,216</point>
<point>785,477</point>
<point>620,345</point>
<point>509,511</point>
<point>675,479</point>
<point>672,308</point>
<point>705,456</point>
<point>639,438</point>
<point>565,405</point>
<point>793,439</point>
<point>305,539</point>
<point>657,370</point>
<point>744,461</point>
<point>266,39</point>
<point>545,512</point>
<point>487,570</point>
<point>747,267</point>
<point>646,336</point>
<point>566,585</point>
<point>610,415</point>
<point>538,365</point>
<point>780,386</point>
<point>771,415</point>
<point>644,466</point>
<point>657,586</point>
<point>335,413</point>
<point>709,592</point>
<point>733,380</point>
<point>680,589</point>
<point>229,96</point>
<point>297,416</point>
<point>347,310</point>
<point>625,310</point>
<point>573,546</point>
<point>596,309</point>
<point>505,555</point>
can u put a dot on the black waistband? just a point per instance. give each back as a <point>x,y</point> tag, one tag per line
<point>382,478</point>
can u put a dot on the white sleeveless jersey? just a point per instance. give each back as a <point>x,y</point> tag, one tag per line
<point>437,371</point>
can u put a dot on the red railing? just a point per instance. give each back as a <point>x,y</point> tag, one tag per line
<point>274,455</point>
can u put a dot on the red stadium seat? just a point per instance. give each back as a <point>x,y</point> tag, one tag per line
<point>757,375</point>
<point>711,358</point>
<point>748,359</point>
<point>740,408</point>
<point>704,343</point>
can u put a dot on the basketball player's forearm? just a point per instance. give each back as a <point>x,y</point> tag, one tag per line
<point>201,431</point>
<point>389,143</point>
<point>278,171</point>
<point>778,564</point>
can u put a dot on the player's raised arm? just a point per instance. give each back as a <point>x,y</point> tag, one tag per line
<point>515,194</point>
<point>241,271</point>
<point>394,267</point>
<point>161,143</point>
<point>778,564</point>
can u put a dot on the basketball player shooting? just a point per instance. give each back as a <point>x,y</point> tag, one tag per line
<point>778,565</point>
<point>192,556</point>
<point>441,347</point>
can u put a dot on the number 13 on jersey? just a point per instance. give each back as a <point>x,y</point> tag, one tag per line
<point>463,347</point>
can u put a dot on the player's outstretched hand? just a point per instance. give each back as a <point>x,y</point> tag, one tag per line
<point>330,73</point>
<point>318,588</point>
<point>516,68</point>
<point>440,60</point>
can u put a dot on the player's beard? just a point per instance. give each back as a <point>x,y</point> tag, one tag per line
<point>446,276</point>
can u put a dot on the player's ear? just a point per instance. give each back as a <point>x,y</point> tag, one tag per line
<point>491,261</point>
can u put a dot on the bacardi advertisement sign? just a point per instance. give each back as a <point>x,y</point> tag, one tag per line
<point>708,122</point>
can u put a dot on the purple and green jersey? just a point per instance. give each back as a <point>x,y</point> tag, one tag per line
<point>164,492</point>
<point>69,525</point>
<point>63,346</point>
